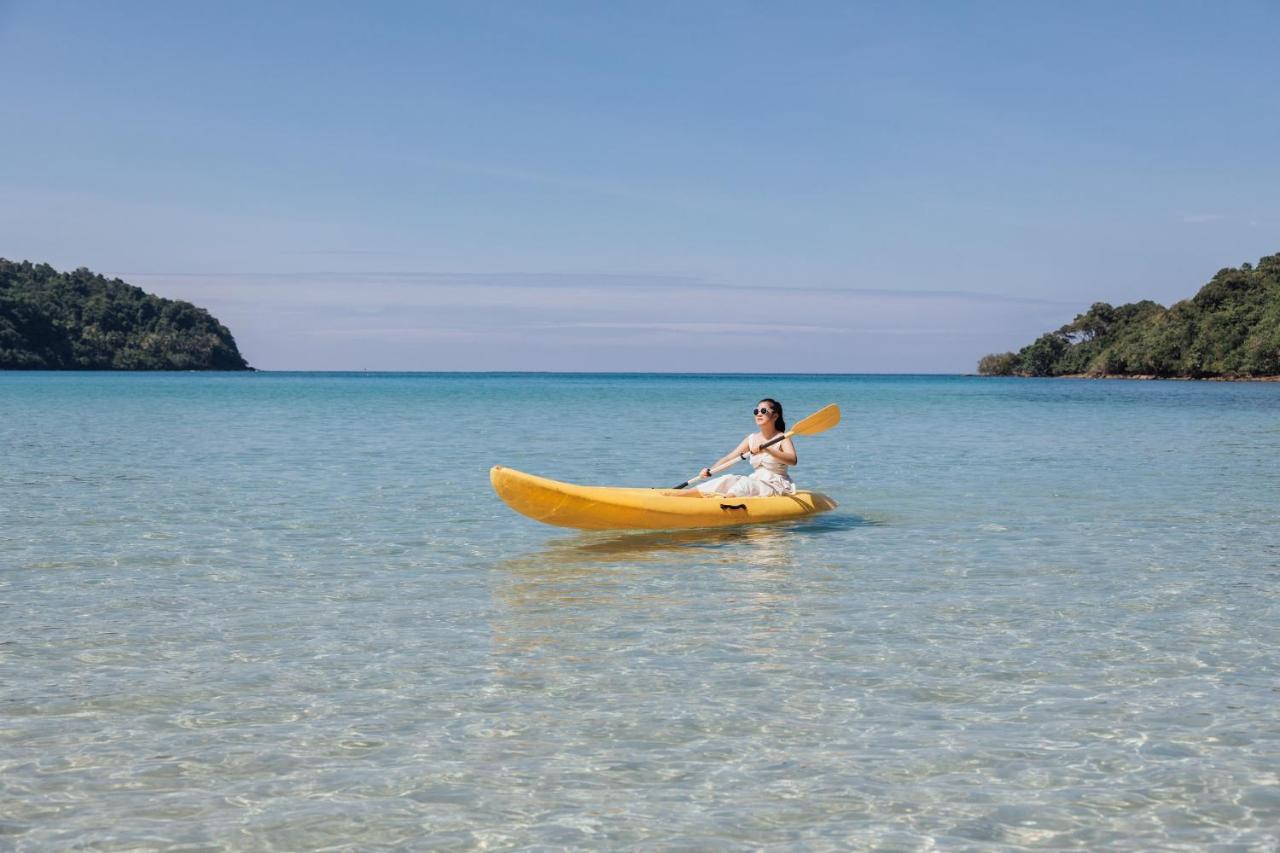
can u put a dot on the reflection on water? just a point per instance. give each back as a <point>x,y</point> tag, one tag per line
<point>590,573</point>
<point>583,596</point>
<point>759,544</point>
<point>627,662</point>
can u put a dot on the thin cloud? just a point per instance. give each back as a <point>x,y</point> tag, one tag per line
<point>411,333</point>
<point>704,328</point>
<point>588,281</point>
<point>425,319</point>
<point>772,329</point>
<point>343,252</point>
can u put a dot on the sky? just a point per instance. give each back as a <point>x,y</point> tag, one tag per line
<point>641,186</point>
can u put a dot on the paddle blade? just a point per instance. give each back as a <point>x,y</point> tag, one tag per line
<point>820,421</point>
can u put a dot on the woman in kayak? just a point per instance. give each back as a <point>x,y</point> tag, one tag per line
<point>770,463</point>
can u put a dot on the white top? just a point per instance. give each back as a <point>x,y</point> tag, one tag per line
<point>766,460</point>
<point>773,471</point>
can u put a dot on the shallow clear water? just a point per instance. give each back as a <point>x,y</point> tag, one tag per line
<point>286,611</point>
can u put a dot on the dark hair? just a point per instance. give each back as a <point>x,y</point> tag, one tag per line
<point>778,423</point>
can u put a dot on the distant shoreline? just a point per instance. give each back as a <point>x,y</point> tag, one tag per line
<point>1151,376</point>
<point>1137,376</point>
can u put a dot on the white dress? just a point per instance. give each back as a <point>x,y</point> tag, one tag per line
<point>769,478</point>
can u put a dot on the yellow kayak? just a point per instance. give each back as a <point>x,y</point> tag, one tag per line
<point>608,508</point>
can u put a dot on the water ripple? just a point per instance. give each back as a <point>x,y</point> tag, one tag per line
<point>253,613</point>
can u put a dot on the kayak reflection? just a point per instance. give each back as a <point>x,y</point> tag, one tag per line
<point>756,544</point>
<point>641,598</point>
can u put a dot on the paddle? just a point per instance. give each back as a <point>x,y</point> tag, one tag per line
<point>820,421</point>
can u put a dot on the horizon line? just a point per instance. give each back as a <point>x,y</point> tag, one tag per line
<point>362,371</point>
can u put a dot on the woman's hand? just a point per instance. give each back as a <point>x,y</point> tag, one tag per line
<point>704,473</point>
<point>784,451</point>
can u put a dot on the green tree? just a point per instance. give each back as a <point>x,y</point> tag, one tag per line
<point>999,364</point>
<point>1231,327</point>
<point>79,320</point>
<point>1041,358</point>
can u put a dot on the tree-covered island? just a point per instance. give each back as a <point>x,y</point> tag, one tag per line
<point>82,321</point>
<point>1229,330</point>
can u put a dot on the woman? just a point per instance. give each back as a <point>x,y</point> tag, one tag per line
<point>770,463</point>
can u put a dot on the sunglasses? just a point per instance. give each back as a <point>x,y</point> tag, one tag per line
<point>763,410</point>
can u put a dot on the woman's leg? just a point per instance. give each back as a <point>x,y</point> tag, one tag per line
<point>720,485</point>
<point>730,486</point>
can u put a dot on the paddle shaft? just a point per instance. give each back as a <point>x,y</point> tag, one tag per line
<point>731,462</point>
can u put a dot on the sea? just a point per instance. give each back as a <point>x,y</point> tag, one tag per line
<point>286,611</point>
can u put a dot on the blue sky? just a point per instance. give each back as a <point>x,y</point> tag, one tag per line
<point>831,187</point>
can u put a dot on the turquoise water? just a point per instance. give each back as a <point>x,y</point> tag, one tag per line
<point>286,611</point>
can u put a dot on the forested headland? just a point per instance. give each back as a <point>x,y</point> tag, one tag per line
<point>1229,330</point>
<point>82,321</point>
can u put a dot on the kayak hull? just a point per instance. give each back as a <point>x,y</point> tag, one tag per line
<point>609,508</point>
